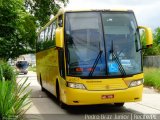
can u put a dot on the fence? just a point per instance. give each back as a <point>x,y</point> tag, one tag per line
<point>151,61</point>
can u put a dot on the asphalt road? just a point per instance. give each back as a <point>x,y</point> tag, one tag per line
<point>45,107</point>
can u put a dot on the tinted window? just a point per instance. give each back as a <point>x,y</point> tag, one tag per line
<point>47,37</point>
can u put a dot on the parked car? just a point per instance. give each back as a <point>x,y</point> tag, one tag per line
<point>22,66</point>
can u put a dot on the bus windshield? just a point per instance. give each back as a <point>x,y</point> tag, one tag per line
<point>22,65</point>
<point>102,44</point>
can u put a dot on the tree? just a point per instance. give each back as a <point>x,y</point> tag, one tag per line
<point>17,29</point>
<point>155,49</point>
<point>19,20</point>
<point>157,36</point>
<point>43,9</point>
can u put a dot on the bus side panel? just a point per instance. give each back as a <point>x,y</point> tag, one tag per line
<point>47,67</point>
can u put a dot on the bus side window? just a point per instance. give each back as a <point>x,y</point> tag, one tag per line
<point>46,37</point>
<point>41,37</point>
<point>60,21</point>
<point>39,44</point>
<point>49,33</point>
<point>53,30</point>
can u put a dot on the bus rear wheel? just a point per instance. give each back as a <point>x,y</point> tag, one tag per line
<point>119,104</point>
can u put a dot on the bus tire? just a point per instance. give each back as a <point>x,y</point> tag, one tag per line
<point>25,73</point>
<point>119,104</point>
<point>61,104</point>
<point>42,88</point>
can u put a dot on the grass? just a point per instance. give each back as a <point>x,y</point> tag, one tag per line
<point>152,77</point>
<point>32,69</point>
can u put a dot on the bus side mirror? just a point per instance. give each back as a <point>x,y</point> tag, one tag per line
<point>149,37</point>
<point>59,37</point>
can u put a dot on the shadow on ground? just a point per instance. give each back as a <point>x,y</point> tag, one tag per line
<point>91,109</point>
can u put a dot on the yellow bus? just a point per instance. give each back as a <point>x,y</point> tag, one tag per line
<point>87,57</point>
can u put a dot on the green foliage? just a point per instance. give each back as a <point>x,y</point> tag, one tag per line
<point>32,69</point>
<point>13,100</point>
<point>155,50</point>
<point>1,74</point>
<point>151,77</point>
<point>13,97</point>
<point>157,36</point>
<point>19,20</point>
<point>43,9</point>
<point>6,71</point>
<point>17,29</point>
<point>45,45</point>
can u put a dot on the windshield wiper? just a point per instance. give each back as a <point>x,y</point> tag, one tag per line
<point>95,63</point>
<point>114,55</point>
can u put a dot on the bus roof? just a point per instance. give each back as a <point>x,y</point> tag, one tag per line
<point>63,10</point>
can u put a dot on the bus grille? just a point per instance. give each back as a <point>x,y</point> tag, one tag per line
<point>111,86</point>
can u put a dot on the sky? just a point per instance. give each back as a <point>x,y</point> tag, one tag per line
<point>147,12</point>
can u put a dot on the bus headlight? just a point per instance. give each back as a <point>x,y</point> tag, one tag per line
<point>76,85</point>
<point>136,83</point>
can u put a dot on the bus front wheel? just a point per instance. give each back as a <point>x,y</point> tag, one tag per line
<point>42,88</point>
<point>119,104</point>
<point>61,104</point>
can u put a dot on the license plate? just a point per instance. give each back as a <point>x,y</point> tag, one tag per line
<point>107,96</point>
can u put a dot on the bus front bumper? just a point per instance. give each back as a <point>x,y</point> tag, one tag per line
<point>84,97</point>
